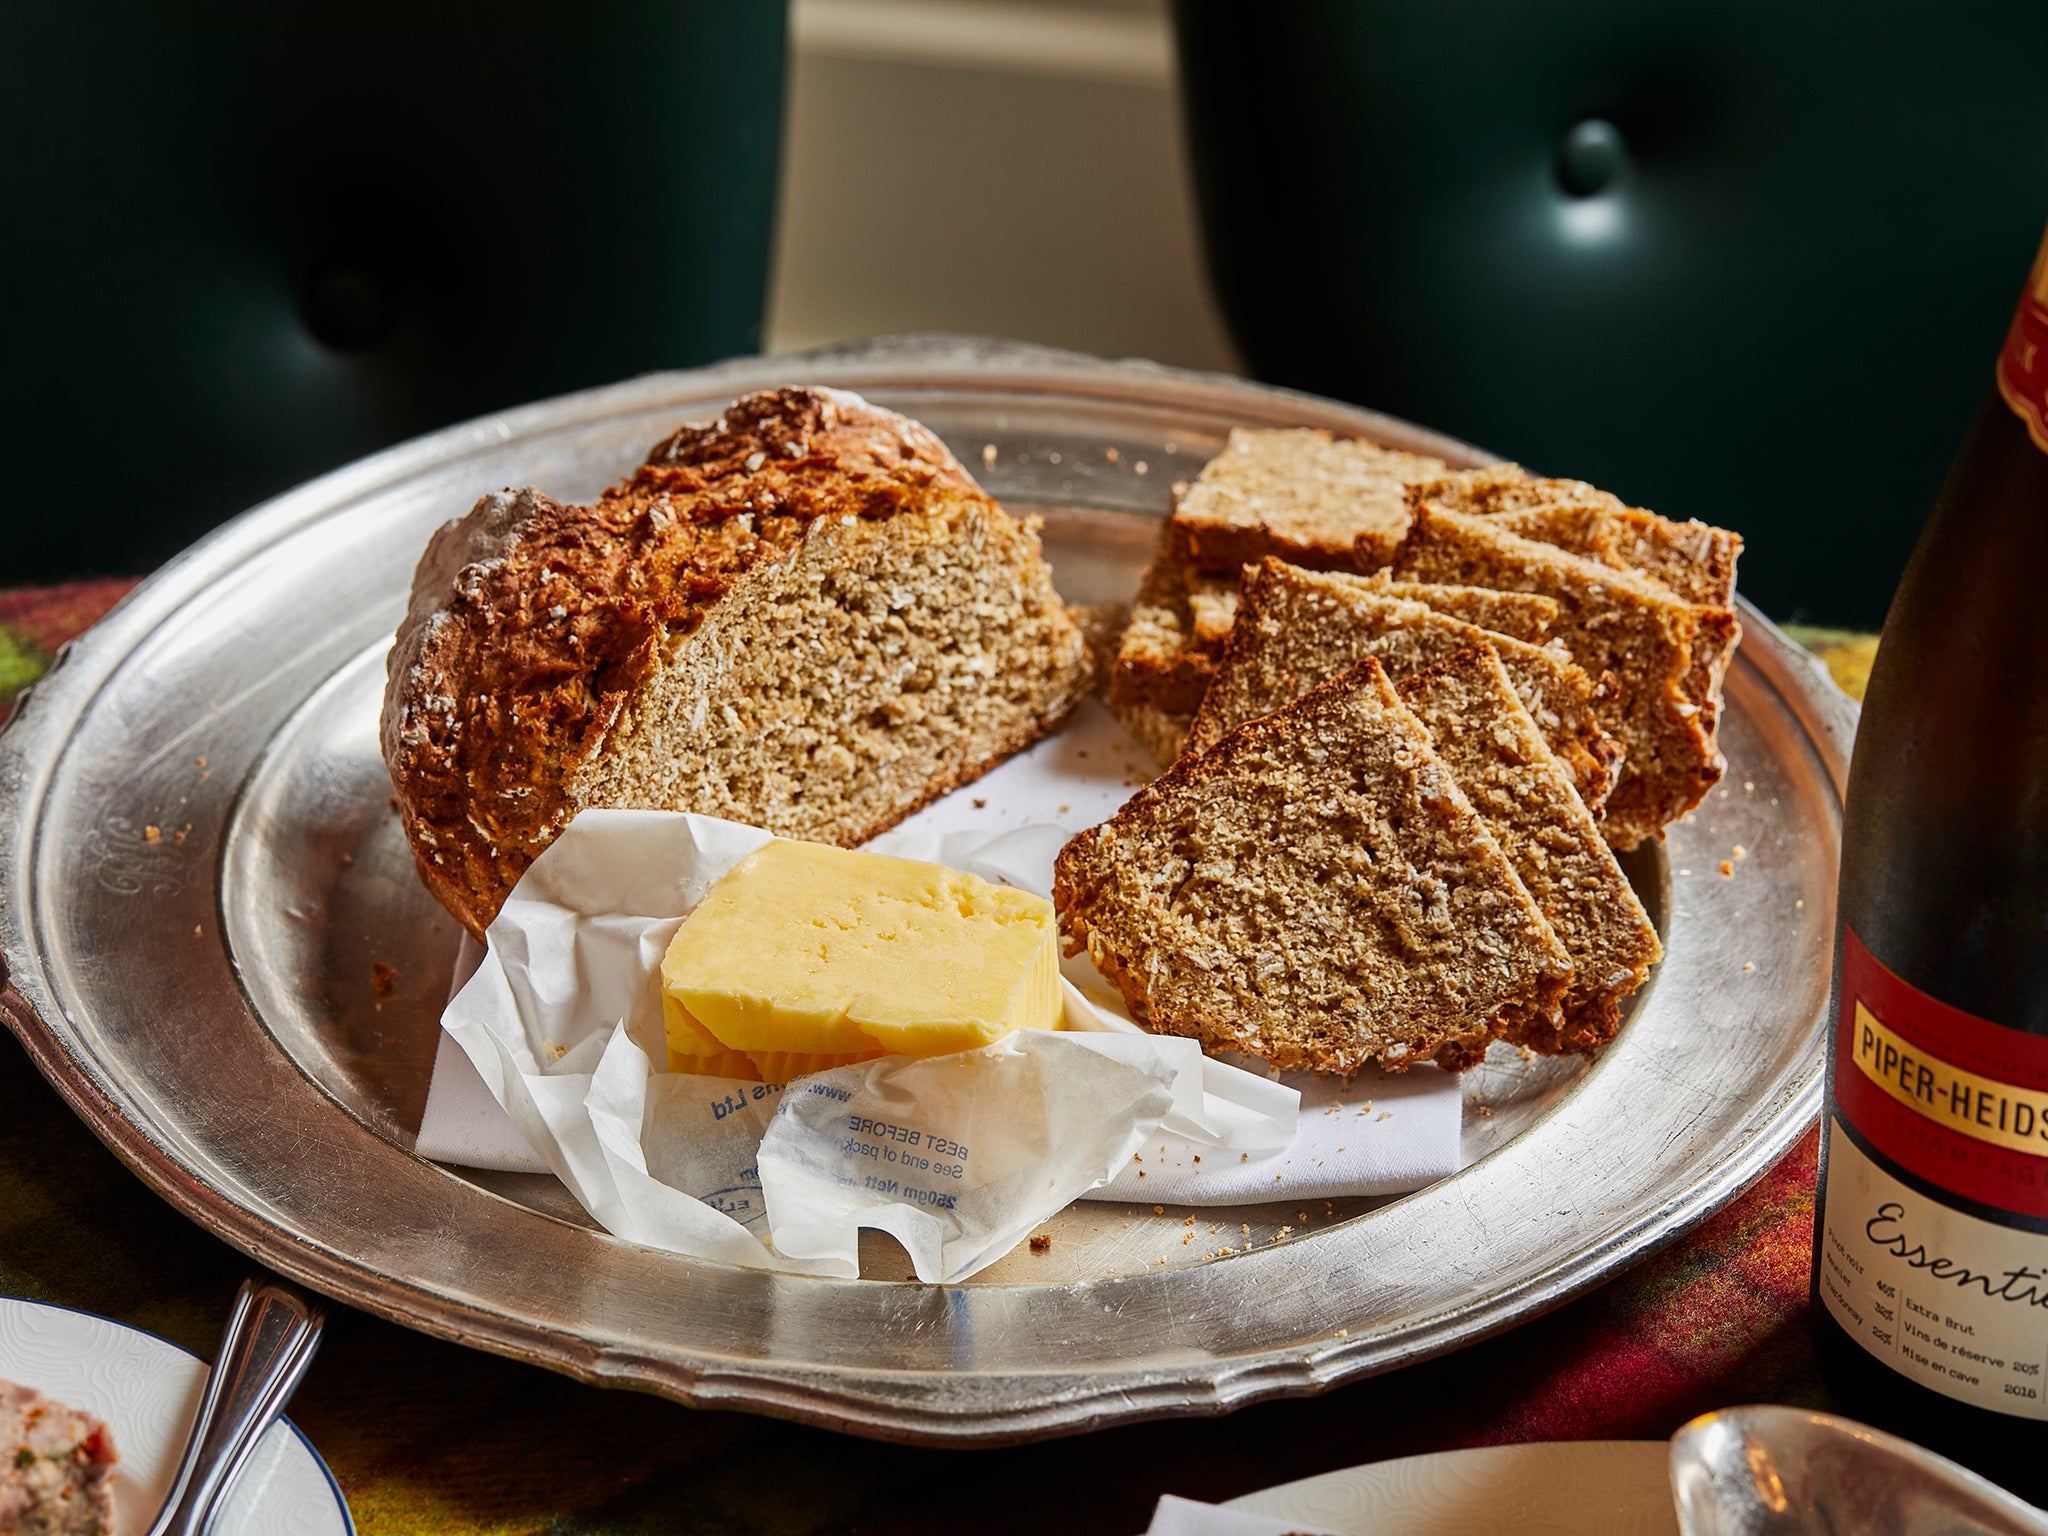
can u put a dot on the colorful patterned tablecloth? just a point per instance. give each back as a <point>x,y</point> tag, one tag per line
<point>427,1437</point>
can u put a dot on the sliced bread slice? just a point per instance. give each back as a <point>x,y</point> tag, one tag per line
<point>1315,891</point>
<point>1167,652</point>
<point>1181,617</point>
<point>1525,797</point>
<point>1326,502</point>
<point>1695,560</point>
<point>1212,609</point>
<point>1160,661</point>
<point>1518,615</point>
<point>1298,628</point>
<point>1614,623</point>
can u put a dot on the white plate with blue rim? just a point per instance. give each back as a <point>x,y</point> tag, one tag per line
<point>146,1390</point>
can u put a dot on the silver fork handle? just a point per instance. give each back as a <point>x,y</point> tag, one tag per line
<point>266,1347</point>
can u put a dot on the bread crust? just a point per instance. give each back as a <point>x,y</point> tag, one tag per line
<point>532,623</point>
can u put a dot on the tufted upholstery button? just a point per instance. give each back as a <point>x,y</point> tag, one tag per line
<point>1590,157</point>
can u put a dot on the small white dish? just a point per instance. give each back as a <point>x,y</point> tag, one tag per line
<point>147,1389</point>
<point>1560,1488</point>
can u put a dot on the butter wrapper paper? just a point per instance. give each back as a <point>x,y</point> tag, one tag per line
<point>958,1157</point>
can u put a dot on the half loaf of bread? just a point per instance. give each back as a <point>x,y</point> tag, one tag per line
<point>805,615</point>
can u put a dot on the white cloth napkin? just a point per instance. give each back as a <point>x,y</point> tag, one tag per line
<point>1378,1134</point>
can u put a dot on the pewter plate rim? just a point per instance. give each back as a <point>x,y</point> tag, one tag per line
<point>264,1211</point>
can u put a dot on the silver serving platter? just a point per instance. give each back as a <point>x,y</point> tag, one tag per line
<point>205,995</point>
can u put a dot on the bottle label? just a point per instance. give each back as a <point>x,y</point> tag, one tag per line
<point>2023,365</point>
<point>1957,1304</point>
<point>1951,1300</point>
<point>1951,1098</point>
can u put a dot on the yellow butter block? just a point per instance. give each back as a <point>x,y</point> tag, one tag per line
<point>723,1064</point>
<point>686,1037</point>
<point>807,950</point>
<point>782,1066</point>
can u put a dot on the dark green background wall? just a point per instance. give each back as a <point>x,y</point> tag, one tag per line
<point>248,242</point>
<point>1776,313</point>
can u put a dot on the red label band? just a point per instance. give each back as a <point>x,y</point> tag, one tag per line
<point>1916,1077</point>
<point>2023,365</point>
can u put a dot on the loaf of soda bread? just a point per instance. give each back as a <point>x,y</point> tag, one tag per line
<point>804,615</point>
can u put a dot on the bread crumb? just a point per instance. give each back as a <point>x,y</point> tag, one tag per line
<point>988,460</point>
<point>1141,468</point>
<point>1158,1210</point>
<point>382,975</point>
<point>1041,1242</point>
<point>199,762</point>
<point>1112,455</point>
<point>980,802</point>
<point>1800,904</point>
<point>1749,965</point>
<point>1727,870</point>
<point>152,834</point>
<point>195,930</point>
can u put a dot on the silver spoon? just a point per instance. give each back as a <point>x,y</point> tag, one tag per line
<point>1781,1471</point>
<point>266,1347</point>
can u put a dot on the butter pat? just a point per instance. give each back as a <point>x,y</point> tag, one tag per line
<point>805,956</point>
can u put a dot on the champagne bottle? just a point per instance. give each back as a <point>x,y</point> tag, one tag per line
<point>1930,1272</point>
